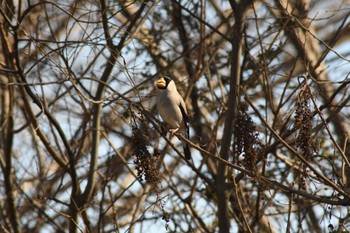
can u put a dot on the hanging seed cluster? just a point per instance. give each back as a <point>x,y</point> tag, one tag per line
<point>303,121</point>
<point>246,137</point>
<point>303,124</point>
<point>145,163</point>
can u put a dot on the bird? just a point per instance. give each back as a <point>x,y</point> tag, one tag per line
<point>172,109</point>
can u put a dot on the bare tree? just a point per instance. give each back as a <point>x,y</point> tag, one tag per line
<point>266,84</point>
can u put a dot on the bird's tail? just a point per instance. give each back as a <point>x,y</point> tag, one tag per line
<point>187,150</point>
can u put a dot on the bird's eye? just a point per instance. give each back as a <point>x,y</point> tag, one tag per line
<point>167,79</point>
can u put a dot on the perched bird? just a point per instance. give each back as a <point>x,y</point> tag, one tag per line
<point>171,107</point>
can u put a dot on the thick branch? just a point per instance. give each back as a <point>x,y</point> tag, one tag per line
<point>97,108</point>
<point>7,96</point>
<point>232,106</point>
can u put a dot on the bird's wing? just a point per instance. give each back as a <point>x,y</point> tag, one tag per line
<point>185,117</point>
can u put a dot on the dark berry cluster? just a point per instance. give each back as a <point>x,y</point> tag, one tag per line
<point>145,163</point>
<point>303,121</point>
<point>246,138</point>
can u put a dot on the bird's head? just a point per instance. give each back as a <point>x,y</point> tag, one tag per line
<point>163,82</point>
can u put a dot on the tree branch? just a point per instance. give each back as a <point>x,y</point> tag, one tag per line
<point>232,108</point>
<point>97,107</point>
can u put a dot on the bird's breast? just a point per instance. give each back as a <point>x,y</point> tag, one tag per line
<point>170,111</point>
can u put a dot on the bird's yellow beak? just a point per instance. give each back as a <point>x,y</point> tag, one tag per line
<point>161,83</point>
